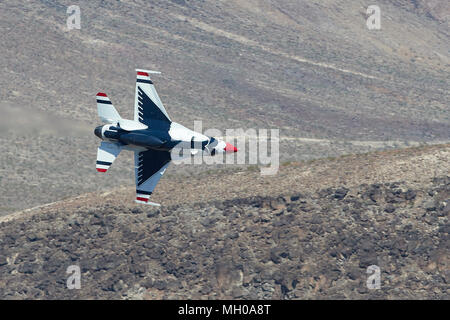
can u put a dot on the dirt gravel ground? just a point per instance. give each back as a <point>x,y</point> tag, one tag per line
<point>309,232</point>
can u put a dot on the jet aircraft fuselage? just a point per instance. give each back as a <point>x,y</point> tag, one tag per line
<point>152,135</point>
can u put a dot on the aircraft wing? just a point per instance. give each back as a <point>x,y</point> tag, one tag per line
<point>149,167</point>
<point>148,108</point>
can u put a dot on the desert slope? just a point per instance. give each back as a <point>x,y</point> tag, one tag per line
<point>309,232</point>
<point>311,69</point>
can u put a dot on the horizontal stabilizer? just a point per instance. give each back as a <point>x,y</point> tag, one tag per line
<point>107,152</point>
<point>106,110</point>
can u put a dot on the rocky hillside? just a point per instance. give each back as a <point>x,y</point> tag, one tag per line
<point>303,241</point>
<point>311,69</point>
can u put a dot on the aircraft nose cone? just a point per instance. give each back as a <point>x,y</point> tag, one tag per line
<point>98,132</point>
<point>230,148</point>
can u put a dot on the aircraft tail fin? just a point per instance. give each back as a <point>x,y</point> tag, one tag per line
<point>106,154</point>
<point>106,110</point>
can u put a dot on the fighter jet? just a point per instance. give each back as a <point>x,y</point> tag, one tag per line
<point>151,135</point>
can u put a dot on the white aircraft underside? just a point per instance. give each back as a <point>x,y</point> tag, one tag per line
<point>151,136</point>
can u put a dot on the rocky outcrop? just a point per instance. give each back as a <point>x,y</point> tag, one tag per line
<point>294,246</point>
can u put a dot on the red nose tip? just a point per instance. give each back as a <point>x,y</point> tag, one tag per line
<point>230,148</point>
